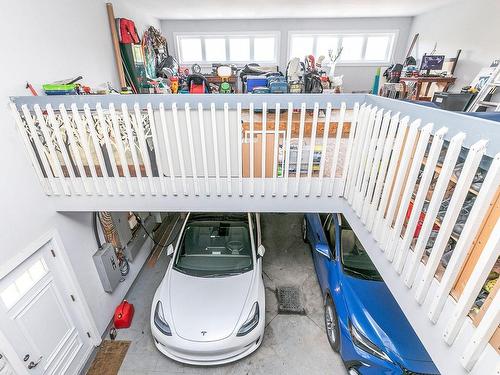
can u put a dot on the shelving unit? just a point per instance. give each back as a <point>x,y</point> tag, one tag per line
<point>453,178</point>
<point>488,292</point>
<point>454,237</point>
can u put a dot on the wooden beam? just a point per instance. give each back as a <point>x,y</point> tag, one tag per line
<point>332,131</point>
<point>478,244</point>
<point>116,45</point>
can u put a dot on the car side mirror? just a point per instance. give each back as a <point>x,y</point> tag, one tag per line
<point>323,249</point>
<point>170,250</point>
<point>261,250</point>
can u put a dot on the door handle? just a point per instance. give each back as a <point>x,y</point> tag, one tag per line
<point>34,364</point>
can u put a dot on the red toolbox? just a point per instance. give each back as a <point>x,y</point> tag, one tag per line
<point>123,315</point>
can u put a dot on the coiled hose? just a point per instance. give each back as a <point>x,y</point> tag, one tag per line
<point>111,236</point>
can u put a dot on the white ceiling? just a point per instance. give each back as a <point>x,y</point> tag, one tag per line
<point>227,9</point>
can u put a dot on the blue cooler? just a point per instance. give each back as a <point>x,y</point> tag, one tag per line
<point>278,85</point>
<point>256,81</point>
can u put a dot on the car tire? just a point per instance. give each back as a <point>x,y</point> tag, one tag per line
<point>304,229</point>
<point>332,325</point>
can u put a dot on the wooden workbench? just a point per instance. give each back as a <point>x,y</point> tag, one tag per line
<point>426,86</point>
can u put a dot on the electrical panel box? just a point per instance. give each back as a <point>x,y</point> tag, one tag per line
<point>120,222</point>
<point>108,268</point>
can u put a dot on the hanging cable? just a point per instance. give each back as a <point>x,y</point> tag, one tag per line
<point>111,236</point>
<point>96,232</point>
<point>109,229</point>
<point>124,267</point>
<point>139,220</point>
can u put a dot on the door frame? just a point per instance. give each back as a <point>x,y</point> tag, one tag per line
<point>65,269</point>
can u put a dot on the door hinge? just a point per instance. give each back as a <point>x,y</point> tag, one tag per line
<point>73,297</point>
<point>88,334</point>
<point>53,253</point>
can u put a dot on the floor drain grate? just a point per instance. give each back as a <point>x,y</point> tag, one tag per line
<point>289,301</point>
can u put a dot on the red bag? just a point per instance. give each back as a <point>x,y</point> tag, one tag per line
<point>127,31</point>
<point>123,315</point>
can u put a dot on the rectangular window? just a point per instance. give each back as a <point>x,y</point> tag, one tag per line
<point>215,49</point>
<point>23,283</point>
<point>377,47</point>
<point>239,49</point>
<point>264,48</point>
<point>352,48</point>
<point>357,48</point>
<point>190,49</point>
<point>326,43</point>
<point>234,48</point>
<point>302,46</point>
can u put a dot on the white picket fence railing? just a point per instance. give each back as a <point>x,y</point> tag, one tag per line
<point>177,150</point>
<point>370,158</point>
<point>387,177</point>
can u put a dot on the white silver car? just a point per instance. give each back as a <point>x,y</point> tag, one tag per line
<point>209,308</point>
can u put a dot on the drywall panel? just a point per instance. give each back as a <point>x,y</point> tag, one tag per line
<point>355,77</point>
<point>468,25</point>
<point>80,244</point>
<point>41,48</point>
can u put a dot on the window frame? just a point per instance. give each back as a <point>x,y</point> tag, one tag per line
<point>254,230</point>
<point>326,229</point>
<point>178,36</point>
<point>341,34</point>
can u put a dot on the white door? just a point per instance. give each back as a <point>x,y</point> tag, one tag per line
<point>39,318</point>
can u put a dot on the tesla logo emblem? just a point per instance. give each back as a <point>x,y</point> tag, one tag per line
<point>203,332</point>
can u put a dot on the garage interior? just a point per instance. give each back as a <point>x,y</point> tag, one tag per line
<point>287,263</point>
<point>129,116</point>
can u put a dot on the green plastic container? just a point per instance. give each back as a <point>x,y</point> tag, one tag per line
<point>55,87</point>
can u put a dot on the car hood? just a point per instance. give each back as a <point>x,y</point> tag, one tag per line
<point>376,313</point>
<point>207,304</point>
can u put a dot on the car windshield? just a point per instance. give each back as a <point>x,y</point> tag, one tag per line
<point>355,259</point>
<point>215,249</point>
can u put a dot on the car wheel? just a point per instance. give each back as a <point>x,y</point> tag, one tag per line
<point>304,229</point>
<point>332,325</point>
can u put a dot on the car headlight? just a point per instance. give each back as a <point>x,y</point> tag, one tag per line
<point>363,343</point>
<point>159,320</point>
<point>251,322</point>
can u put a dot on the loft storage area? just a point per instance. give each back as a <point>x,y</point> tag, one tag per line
<point>393,57</point>
<point>235,188</point>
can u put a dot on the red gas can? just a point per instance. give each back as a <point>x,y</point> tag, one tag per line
<point>123,315</point>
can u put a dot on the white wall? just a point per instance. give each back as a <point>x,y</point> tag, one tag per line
<point>355,77</point>
<point>472,26</point>
<point>77,43</point>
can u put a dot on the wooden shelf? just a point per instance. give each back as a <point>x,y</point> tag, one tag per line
<point>453,236</point>
<point>453,179</point>
<point>440,270</point>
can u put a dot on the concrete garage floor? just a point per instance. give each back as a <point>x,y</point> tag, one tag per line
<point>293,344</point>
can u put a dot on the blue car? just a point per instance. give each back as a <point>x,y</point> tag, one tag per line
<point>362,319</point>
